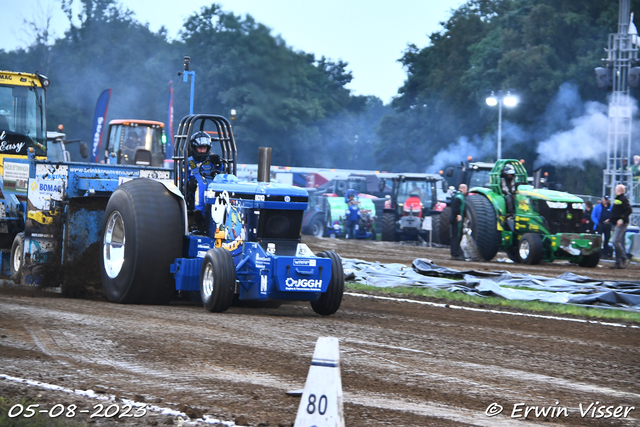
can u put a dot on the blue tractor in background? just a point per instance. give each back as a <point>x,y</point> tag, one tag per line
<point>249,248</point>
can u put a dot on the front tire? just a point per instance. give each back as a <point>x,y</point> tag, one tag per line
<point>482,222</point>
<point>17,252</point>
<point>317,227</point>
<point>329,302</point>
<point>142,232</point>
<point>217,280</point>
<point>513,254</point>
<point>530,249</point>
<point>388,227</point>
<point>591,260</point>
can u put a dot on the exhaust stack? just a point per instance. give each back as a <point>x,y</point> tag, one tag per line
<point>537,176</point>
<point>264,164</point>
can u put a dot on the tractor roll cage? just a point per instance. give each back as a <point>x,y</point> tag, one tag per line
<point>187,128</point>
<point>496,174</point>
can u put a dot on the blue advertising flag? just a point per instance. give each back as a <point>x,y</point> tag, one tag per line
<point>169,128</point>
<point>99,118</point>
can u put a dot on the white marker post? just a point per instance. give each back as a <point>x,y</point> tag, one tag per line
<point>321,403</point>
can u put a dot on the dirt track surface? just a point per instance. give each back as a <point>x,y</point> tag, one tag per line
<point>402,364</point>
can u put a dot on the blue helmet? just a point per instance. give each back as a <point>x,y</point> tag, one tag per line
<point>200,139</point>
<point>350,193</point>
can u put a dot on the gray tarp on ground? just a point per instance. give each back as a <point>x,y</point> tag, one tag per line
<point>568,288</point>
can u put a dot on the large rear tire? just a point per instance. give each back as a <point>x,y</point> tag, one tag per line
<point>17,252</point>
<point>480,217</point>
<point>388,227</point>
<point>142,231</point>
<point>217,280</point>
<point>329,302</point>
<point>530,249</point>
<point>590,261</point>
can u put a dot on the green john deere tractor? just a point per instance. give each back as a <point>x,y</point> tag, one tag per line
<point>546,224</point>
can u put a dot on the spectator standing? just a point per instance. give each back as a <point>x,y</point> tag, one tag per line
<point>600,218</point>
<point>352,213</point>
<point>457,215</point>
<point>635,168</point>
<point>587,222</point>
<point>620,220</point>
<point>635,172</point>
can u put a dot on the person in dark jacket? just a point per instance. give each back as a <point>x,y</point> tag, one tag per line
<point>587,222</point>
<point>620,220</point>
<point>600,218</point>
<point>457,215</point>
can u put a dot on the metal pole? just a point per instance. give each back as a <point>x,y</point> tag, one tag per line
<point>193,84</point>
<point>185,78</point>
<point>499,128</point>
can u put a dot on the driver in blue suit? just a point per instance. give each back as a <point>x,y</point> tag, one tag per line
<point>203,166</point>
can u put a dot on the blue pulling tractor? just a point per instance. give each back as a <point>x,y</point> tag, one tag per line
<point>132,229</point>
<point>248,249</point>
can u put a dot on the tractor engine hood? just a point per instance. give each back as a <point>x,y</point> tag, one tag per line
<point>257,194</point>
<point>551,196</point>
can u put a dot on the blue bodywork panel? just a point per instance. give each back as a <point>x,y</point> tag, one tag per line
<point>261,276</point>
<point>59,206</point>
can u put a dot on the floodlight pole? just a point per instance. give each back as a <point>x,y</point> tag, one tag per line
<point>499,128</point>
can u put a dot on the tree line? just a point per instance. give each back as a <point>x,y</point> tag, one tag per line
<point>297,102</point>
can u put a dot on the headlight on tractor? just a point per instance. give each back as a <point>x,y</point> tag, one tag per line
<point>578,206</point>
<point>557,205</point>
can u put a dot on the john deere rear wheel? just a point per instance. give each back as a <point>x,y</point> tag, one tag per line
<point>482,221</point>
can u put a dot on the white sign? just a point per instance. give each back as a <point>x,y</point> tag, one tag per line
<point>45,190</point>
<point>427,223</point>
<point>16,177</point>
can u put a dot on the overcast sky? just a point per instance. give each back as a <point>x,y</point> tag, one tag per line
<point>370,35</point>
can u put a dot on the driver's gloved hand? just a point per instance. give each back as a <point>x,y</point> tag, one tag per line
<point>215,160</point>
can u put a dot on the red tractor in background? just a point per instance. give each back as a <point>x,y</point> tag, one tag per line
<point>413,197</point>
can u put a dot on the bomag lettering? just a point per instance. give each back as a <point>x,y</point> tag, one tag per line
<point>50,187</point>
